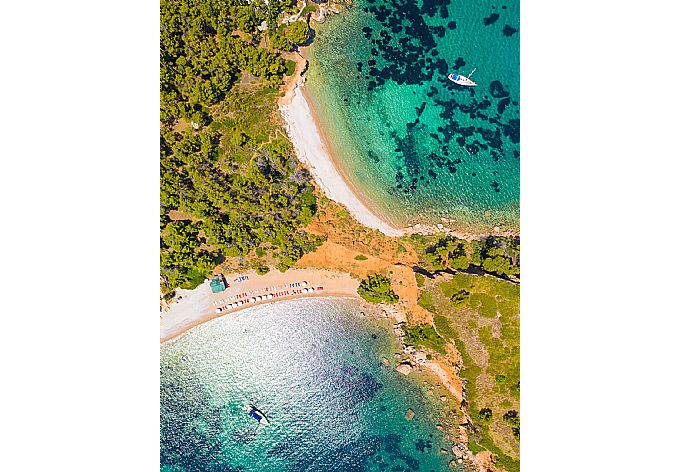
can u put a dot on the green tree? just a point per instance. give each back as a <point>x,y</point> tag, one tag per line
<point>297,32</point>
<point>376,289</point>
<point>459,261</point>
<point>244,18</point>
<point>279,41</point>
<point>499,265</point>
<point>447,252</point>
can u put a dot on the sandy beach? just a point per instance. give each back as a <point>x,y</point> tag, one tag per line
<point>312,150</point>
<point>198,306</point>
<point>195,307</point>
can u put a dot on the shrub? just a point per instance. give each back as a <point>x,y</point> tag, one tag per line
<point>262,270</point>
<point>419,278</point>
<point>474,447</point>
<point>512,417</point>
<point>376,289</point>
<point>460,298</point>
<point>361,257</point>
<point>485,414</point>
<point>290,67</point>
<point>424,335</point>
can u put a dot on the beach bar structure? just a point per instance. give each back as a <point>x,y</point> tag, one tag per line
<point>218,283</point>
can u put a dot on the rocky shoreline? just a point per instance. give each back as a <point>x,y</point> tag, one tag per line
<point>455,422</point>
<point>428,230</point>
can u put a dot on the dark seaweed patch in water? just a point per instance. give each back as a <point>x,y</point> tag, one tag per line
<point>491,19</point>
<point>389,446</point>
<point>496,89</point>
<point>423,445</point>
<point>512,130</point>
<point>459,62</point>
<point>360,385</point>
<point>502,105</point>
<point>412,58</point>
<point>509,30</point>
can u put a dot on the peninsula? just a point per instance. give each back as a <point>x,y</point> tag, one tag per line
<point>251,191</point>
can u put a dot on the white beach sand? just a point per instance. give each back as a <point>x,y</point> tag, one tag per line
<point>187,311</point>
<point>197,306</point>
<point>304,134</point>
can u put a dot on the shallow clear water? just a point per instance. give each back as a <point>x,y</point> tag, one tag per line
<point>314,368</point>
<point>417,145</point>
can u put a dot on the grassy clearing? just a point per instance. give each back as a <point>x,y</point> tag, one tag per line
<point>426,302</point>
<point>424,335</point>
<point>480,315</point>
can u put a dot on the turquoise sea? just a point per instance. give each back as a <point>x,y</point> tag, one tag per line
<point>314,368</point>
<point>418,146</point>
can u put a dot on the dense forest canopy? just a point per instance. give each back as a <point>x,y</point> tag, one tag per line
<point>230,185</point>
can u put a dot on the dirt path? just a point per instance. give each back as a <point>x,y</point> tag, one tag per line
<point>295,79</point>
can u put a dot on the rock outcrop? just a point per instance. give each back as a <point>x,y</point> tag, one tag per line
<point>404,368</point>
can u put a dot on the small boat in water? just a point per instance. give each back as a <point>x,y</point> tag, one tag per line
<point>256,414</point>
<point>461,79</point>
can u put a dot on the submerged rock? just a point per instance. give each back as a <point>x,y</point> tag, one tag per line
<point>404,368</point>
<point>409,414</point>
<point>385,361</point>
